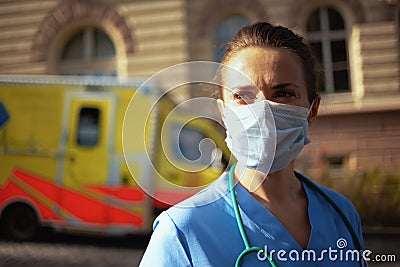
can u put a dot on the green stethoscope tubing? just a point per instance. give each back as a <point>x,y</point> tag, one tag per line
<point>249,249</point>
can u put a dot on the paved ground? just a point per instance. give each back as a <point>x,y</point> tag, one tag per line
<point>383,245</point>
<point>61,250</point>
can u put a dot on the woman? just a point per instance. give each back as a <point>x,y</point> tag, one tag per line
<point>271,207</point>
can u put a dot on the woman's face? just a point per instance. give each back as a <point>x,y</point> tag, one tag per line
<point>274,74</point>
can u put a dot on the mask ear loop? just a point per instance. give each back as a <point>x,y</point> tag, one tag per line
<point>221,106</point>
<point>310,108</point>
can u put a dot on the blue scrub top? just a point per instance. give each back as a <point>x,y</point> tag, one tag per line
<point>202,231</point>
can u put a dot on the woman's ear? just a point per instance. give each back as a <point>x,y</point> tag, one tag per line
<point>314,109</point>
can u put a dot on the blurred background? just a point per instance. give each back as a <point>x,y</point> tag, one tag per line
<point>355,142</point>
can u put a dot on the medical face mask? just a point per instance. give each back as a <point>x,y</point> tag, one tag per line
<point>266,136</point>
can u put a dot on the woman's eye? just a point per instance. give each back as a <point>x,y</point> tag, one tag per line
<point>244,98</point>
<point>284,94</point>
<point>237,96</point>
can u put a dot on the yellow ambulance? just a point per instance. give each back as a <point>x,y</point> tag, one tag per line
<point>65,165</point>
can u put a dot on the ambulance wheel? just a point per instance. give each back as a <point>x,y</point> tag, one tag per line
<point>19,222</point>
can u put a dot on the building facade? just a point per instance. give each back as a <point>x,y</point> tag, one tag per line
<point>357,42</point>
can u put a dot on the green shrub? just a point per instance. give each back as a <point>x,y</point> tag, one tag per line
<point>375,194</point>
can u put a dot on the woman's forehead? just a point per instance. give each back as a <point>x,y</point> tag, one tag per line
<point>262,67</point>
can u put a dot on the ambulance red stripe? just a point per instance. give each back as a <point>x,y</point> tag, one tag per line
<point>11,192</point>
<point>82,207</point>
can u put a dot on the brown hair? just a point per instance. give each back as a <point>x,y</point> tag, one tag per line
<point>264,34</point>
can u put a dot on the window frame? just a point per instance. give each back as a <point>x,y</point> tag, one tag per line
<point>89,63</point>
<point>325,36</point>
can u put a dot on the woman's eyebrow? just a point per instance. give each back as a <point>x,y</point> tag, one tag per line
<point>245,88</point>
<point>283,85</point>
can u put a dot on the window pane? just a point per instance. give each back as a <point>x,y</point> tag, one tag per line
<point>225,31</point>
<point>317,47</point>
<point>89,52</point>
<point>341,79</point>
<point>339,51</point>
<point>193,146</point>
<point>313,23</point>
<point>74,47</point>
<point>335,20</point>
<point>103,44</point>
<point>189,140</point>
<point>335,162</point>
<point>88,127</point>
<point>322,87</point>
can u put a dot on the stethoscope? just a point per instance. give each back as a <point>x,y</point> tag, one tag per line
<point>253,249</point>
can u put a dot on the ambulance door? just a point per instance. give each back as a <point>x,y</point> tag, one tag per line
<point>89,146</point>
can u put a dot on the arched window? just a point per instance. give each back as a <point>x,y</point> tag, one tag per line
<point>225,31</point>
<point>89,52</point>
<point>326,32</point>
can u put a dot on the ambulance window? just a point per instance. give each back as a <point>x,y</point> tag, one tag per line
<point>88,127</point>
<point>193,145</point>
